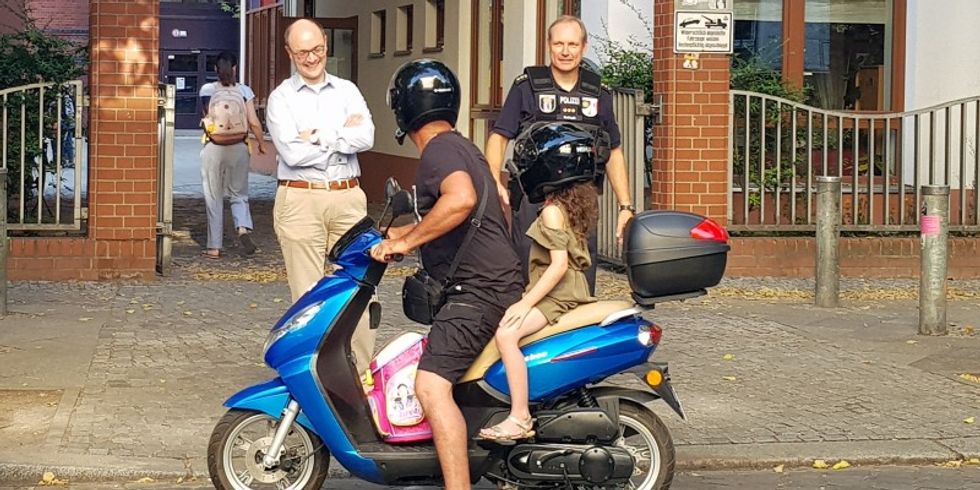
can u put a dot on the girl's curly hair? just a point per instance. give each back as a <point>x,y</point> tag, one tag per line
<point>581,204</point>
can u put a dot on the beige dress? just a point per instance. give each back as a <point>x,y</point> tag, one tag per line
<point>573,289</point>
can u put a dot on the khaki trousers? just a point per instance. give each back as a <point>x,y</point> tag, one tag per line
<point>308,223</point>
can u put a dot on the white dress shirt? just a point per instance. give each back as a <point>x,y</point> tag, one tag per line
<point>295,106</point>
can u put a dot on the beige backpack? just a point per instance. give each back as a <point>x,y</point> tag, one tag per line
<point>226,123</point>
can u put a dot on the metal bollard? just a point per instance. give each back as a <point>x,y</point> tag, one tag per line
<point>934,229</point>
<point>828,238</point>
<point>4,243</point>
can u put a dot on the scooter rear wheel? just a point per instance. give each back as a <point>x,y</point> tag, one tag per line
<point>646,437</point>
<point>240,441</point>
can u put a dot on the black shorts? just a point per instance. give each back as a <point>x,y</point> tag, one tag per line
<point>461,330</point>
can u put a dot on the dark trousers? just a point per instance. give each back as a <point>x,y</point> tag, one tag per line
<point>523,218</point>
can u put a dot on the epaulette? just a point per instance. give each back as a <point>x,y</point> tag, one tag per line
<point>605,87</point>
<point>520,79</point>
<point>540,77</point>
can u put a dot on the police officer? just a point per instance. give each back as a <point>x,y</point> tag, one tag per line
<point>563,91</point>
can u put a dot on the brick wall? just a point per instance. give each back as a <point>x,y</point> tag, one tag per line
<point>121,241</point>
<point>690,162</point>
<point>66,18</point>
<point>859,257</point>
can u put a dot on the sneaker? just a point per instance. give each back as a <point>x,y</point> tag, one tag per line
<point>248,245</point>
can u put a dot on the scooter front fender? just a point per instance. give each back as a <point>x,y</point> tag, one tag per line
<point>269,397</point>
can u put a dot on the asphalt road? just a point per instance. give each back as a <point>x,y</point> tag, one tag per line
<point>869,478</point>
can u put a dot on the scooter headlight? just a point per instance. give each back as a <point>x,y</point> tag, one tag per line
<point>298,321</point>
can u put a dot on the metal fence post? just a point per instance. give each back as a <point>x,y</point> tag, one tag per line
<point>934,229</point>
<point>4,244</point>
<point>828,237</point>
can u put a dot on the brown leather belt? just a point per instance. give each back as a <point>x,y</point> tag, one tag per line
<point>333,185</point>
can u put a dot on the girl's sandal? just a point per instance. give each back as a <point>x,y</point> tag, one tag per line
<point>498,434</point>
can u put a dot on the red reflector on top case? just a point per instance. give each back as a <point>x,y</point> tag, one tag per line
<point>709,230</point>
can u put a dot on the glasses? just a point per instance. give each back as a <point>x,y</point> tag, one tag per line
<point>303,54</point>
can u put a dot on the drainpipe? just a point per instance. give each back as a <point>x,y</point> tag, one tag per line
<point>242,8</point>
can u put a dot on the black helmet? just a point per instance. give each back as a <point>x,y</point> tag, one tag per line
<point>553,155</point>
<point>422,91</point>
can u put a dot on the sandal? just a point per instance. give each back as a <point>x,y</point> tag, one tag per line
<point>208,255</point>
<point>497,433</point>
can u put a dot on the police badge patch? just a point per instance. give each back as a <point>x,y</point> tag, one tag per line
<point>547,103</point>
<point>590,106</point>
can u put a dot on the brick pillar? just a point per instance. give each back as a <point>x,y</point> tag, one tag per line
<point>690,160</point>
<point>125,46</point>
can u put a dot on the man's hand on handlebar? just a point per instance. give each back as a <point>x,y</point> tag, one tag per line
<point>389,251</point>
<point>396,232</point>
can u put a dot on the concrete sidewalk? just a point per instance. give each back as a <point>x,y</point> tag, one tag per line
<point>126,380</point>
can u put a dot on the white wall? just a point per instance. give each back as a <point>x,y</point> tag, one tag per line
<point>942,64</point>
<point>374,73</point>
<point>611,19</point>
<point>520,41</point>
<point>943,52</point>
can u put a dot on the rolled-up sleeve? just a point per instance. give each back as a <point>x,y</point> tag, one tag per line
<point>283,128</point>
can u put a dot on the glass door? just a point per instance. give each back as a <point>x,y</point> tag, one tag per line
<point>188,71</point>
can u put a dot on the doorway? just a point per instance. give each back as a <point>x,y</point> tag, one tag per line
<point>188,71</point>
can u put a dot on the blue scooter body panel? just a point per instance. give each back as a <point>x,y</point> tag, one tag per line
<point>269,397</point>
<point>558,364</point>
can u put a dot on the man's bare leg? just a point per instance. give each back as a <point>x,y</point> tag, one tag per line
<point>448,428</point>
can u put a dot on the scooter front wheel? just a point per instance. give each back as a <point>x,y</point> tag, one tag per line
<point>239,443</point>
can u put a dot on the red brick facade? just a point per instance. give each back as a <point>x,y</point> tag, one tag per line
<point>121,238</point>
<point>690,162</point>
<point>66,18</point>
<point>859,257</point>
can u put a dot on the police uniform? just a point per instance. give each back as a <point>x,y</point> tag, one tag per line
<point>535,97</point>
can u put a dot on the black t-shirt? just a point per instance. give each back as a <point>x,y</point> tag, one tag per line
<point>521,103</point>
<point>489,262</point>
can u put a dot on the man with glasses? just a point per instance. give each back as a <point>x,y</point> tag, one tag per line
<point>318,123</point>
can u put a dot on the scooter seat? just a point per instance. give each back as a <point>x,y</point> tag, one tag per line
<point>583,316</point>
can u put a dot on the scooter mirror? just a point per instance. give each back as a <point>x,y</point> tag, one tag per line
<point>402,203</point>
<point>391,187</point>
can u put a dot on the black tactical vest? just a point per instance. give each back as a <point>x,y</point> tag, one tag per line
<point>580,105</point>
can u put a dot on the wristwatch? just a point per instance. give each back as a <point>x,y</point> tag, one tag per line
<point>627,207</point>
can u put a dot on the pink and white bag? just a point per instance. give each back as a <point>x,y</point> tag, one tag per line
<point>397,412</point>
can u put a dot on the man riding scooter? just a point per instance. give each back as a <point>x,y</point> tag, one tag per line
<point>454,185</point>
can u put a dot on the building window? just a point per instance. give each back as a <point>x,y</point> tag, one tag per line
<point>378,26</point>
<point>844,57</point>
<point>759,33</point>
<point>435,25</point>
<point>404,21</point>
<point>845,53</point>
<point>486,96</point>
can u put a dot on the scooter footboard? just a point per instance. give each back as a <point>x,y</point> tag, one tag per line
<point>270,398</point>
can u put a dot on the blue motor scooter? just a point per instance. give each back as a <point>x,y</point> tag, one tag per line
<point>281,433</point>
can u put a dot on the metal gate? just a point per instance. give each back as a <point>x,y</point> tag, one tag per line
<point>165,177</point>
<point>44,153</point>
<point>631,112</point>
<point>778,147</point>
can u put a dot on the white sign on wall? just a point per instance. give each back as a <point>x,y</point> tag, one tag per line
<point>703,31</point>
<point>703,5</point>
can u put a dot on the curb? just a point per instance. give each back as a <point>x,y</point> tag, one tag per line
<point>709,457</point>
